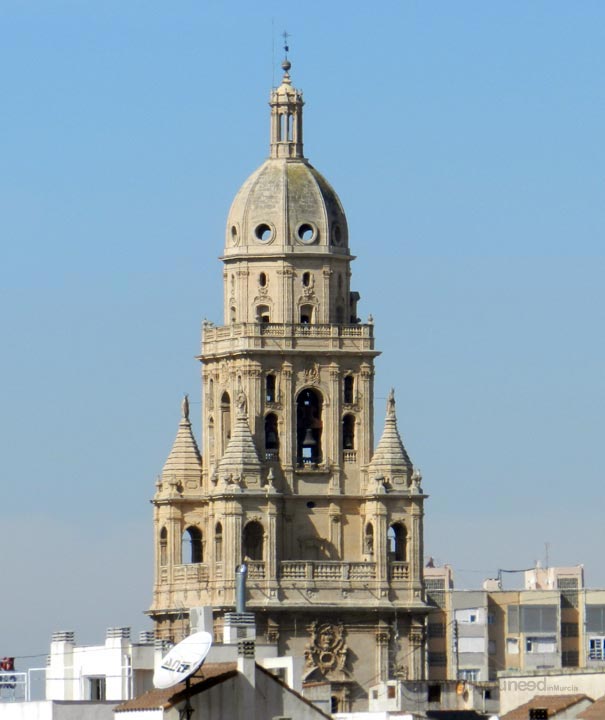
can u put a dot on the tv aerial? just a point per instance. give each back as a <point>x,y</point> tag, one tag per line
<point>179,664</point>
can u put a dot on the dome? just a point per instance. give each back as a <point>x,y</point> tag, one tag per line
<point>286,205</point>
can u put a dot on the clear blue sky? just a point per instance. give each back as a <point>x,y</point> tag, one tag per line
<point>466,142</point>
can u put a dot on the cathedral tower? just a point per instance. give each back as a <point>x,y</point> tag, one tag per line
<point>290,484</point>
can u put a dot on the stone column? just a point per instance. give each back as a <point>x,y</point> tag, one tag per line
<point>325,296</point>
<point>383,637</point>
<point>417,650</point>
<point>287,400</point>
<point>365,395</point>
<point>336,429</point>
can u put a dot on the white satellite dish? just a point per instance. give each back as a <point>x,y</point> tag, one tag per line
<point>182,660</point>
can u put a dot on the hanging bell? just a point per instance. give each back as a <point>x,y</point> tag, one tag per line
<point>309,440</point>
<point>271,438</point>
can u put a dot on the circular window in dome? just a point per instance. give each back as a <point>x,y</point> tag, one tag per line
<point>307,233</point>
<point>264,232</point>
<point>336,234</point>
<point>234,234</point>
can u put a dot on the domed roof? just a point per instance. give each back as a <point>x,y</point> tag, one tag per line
<point>286,205</point>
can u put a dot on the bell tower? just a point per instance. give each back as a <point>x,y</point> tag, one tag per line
<point>290,484</point>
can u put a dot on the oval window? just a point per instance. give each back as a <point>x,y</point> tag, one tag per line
<point>336,234</point>
<point>264,232</point>
<point>307,233</point>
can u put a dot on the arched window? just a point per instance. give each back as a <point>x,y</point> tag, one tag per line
<point>218,542</point>
<point>262,279</point>
<point>397,540</point>
<point>163,546</point>
<point>263,314</point>
<point>349,387</point>
<point>348,432</point>
<point>191,546</point>
<point>306,314</point>
<point>270,388</point>
<point>306,279</point>
<point>252,541</point>
<point>368,540</point>
<point>225,419</point>
<point>271,432</point>
<point>309,427</point>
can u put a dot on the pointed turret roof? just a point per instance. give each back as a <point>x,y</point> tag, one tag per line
<point>390,455</point>
<point>184,460</point>
<point>240,455</point>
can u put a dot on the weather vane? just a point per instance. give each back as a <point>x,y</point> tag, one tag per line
<point>285,36</point>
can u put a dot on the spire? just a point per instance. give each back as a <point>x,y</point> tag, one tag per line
<point>286,115</point>
<point>240,458</point>
<point>184,461</point>
<point>390,457</point>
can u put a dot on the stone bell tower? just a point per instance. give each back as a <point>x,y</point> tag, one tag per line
<point>330,527</point>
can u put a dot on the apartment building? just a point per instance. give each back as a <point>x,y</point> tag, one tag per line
<point>550,624</point>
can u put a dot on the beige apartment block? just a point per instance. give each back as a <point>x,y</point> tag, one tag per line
<point>289,480</point>
<point>553,624</point>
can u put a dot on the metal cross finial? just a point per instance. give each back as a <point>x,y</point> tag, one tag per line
<point>285,36</point>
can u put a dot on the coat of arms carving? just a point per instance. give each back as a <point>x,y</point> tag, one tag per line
<point>327,651</point>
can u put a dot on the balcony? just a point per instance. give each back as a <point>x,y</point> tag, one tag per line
<point>190,573</point>
<point>279,336</point>
<point>326,571</point>
<point>399,571</point>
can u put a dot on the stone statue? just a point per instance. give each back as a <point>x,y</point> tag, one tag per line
<point>241,402</point>
<point>185,407</point>
<point>391,402</point>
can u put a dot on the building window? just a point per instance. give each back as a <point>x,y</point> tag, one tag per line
<point>436,630</point>
<point>270,388</point>
<point>218,542</point>
<point>397,542</point>
<point>469,675</point>
<point>512,646</point>
<point>252,541</point>
<point>570,658</point>
<point>349,386</point>
<point>263,314</point>
<point>348,432</point>
<point>225,419</point>
<point>306,279</point>
<point>540,645</point>
<point>309,427</point>
<point>368,540</point>
<point>163,546</point>
<point>97,689</point>
<point>596,648</point>
<point>306,314</point>
<point>569,629</point>
<point>271,432</point>
<point>262,279</point>
<point>191,546</point>
<point>433,694</point>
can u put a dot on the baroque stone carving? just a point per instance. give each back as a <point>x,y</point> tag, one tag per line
<point>327,651</point>
<point>311,374</point>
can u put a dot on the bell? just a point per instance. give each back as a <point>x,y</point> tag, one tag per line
<point>309,440</point>
<point>271,438</point>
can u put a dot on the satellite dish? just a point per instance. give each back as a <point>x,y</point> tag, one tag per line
<point>182,660</point>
